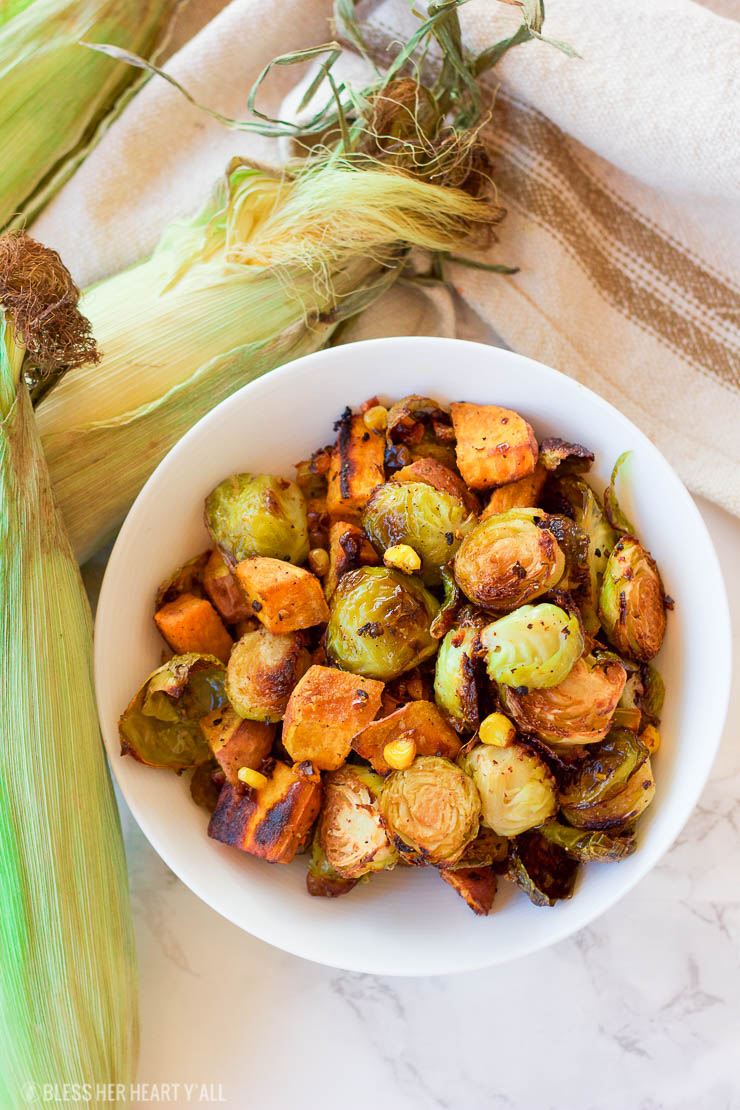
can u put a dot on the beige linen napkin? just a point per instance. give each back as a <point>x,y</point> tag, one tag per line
<point>619,170</point>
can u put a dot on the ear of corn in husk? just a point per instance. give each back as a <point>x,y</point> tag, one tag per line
<point>273,263</point>
<point>56,97</point>
<point>263,275</point>
<point>68,1008</point>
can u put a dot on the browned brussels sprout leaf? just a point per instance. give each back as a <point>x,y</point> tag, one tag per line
<point>588,846</point>
<point>187,579</point>
<point>487,850</point>
<point>612,508</point>
<point>574,543</point>
<point>627,718</point>
<point>322,881</point>
<point>653,694</point>
<point>566,458</point>
<point>418,428</point>
<point>543,870</point>
<point>451,602</point>
<point>161,726</point>
<point>206,783</point>
<point>588,514</point>
<point>605,772</point>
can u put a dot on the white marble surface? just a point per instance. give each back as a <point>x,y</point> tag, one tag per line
<point>640,1011</point>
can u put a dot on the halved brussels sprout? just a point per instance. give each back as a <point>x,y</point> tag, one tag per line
<point>632,601</point>
<point>622,808</point>
<point>588,846</point>
<point>508,559</point>
<point>455,688</point>
<point>578,710</point>
<point>263,669</point>
<point>589,515</point>
<point>350,830</point>
<point>602,776</point>
<point>533,647</point>
<point>379,623</point>
<point>429,520</point>
<point>258,514</point>
<point>517,788</point>
<point>160,725</point>
<point>431,810</point>
<point>541,869</point>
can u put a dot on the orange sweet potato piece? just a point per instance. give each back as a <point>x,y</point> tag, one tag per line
<point>223,590</point>
<point>523,494</point>
<point>494,445</point>
<point>285,598</point>
<point>192,624</point>
<point>477,885</point>
<point>235,742</point>
<point>419,721</point>
<point>435,474</point>
<point>326,709</point>
<point>272,822</point>
<point>356,467</point>
<point>349,548</point>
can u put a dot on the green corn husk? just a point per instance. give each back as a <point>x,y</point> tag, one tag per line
<point>264,274</point>
<point>68,1006</point>
<point>56,97</point>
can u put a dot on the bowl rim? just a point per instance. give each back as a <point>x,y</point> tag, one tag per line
<point>561,929</point>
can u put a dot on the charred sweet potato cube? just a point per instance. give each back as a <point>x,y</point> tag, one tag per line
<point>272,822</point>
<point>192,624</point>
<point>284,598</point>
<point>523,494</point>
<point>419,721</point>
<point>356,467</point>
<point>494,445</point>
<point>235,742</point>
<point>326,709</point>
<point>349,548</point>
<point>477,885</point>
<point>435,474</point>
<point>223,590</point>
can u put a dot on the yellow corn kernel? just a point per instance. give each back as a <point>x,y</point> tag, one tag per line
<point>252,778</point>
<point>496,729</point>
<point>402,557</point>
<point>650,738</point>
<point>376,418</point>
<point>318,560</point>
<point>399,754</point>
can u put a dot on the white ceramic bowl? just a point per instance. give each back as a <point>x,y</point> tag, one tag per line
<point>405,922</point>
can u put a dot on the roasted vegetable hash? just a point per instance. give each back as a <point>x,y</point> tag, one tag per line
<point>432,648</point>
